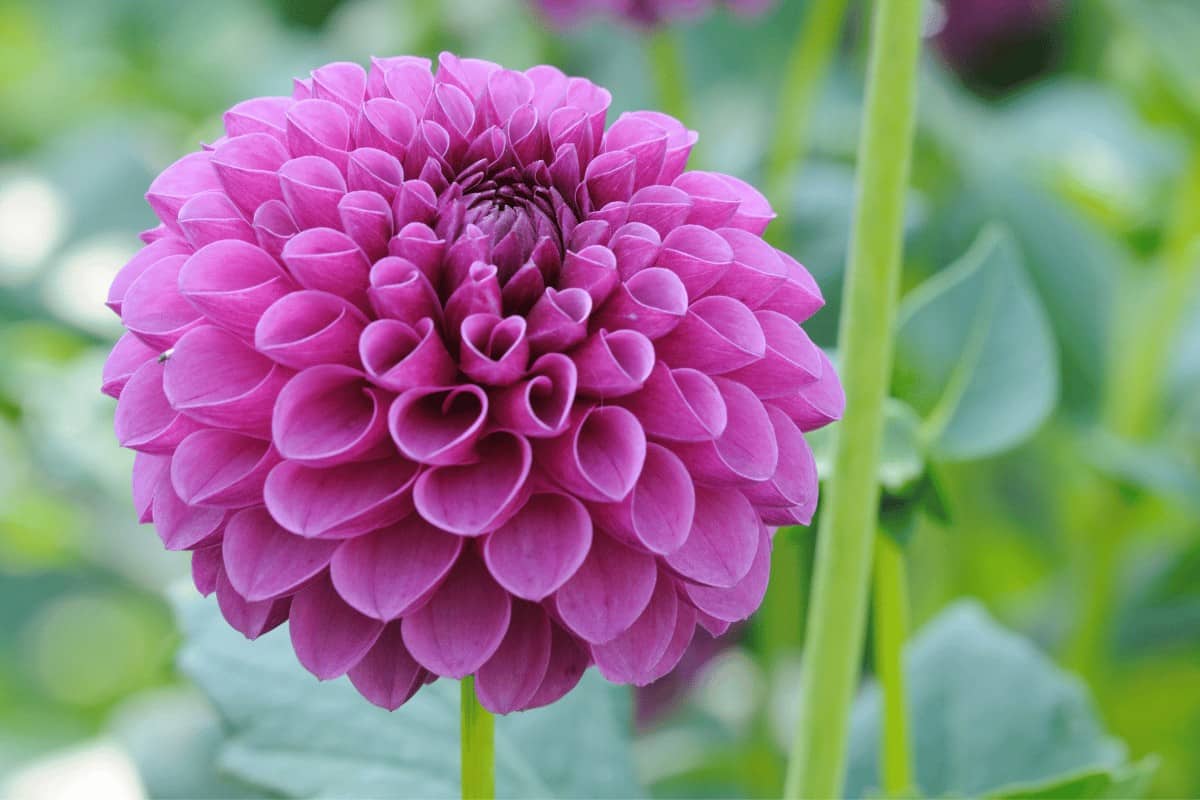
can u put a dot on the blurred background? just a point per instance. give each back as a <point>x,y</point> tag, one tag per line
<point>1075,124</point>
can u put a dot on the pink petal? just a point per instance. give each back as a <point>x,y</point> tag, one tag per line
<point>745,452</point>
<point>478,294</point>
<point>697,255</point>
<point>212,217</point>
<point>439,426</point>
<point>558,320</point>
<point>679,405</point>
<point>791,359</point>
<point>593,269</point>
<point>610,176</point>
<point>312,189</point>
<point>308,328</point>
<point>511,677</point>
<point>274,227</point>
<point>143,260</point>
<point>329,637</point>
<point>249,619</point>
<point>328,260</point>
<point>612,364</point>
<point>343,82</point>
<point>540,547</point>
<point>206,567</point>
<point>401,291</point>
<point>633,655</point>
<point>214,467</point>
<point>232,283</point>
<point>264,561</point>
<point>653,302</point>
<point>476,498</point>
<point>493,351</point>
<point>740,601</point>
<point>180,526</point>
<point>149,471</point>
<point>818,403</point>
<point>341,501</point>
<point>643,140</point>
<point>248,167</point>
<point>386,124</point>
<point>319,128</point>
<point>388,573</point>
<point>794,484</point>
<point>798,297</point>
<point>568,661</point>
<point>754,212</point>
<point>145,420</point>
<point>600,457</point>
<point>258,115</point>
<point>636,247</point>
<point>366,218</point>
<point>714,200</point>
<point>328,415</point>
<point>374,170</point>
<point>462,625</point>
<point>153,308</point>
<point>541,405</point>
<point>608,592</point>
<point>663,208</point>
<point>724,537</point>
<point>388,675</point>
<point>188,176</point>
<point>685,629</point>
<point>757,271</point>
<point>658,513</point>
<point>717,335</point>
<point>400,357</point>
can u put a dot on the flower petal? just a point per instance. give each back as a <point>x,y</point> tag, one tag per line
<point>568,661</point>
<point>473,499</point>
<point>539,406</point>
<point>329,636</point>
<point>439,426</point>
<point>308,328</point>
<point>144,420</point>
<point>264,561</point>
<point>388,675</point>
<point>721,545</point>
<point>745,452</point>
<point>511,677</point>
<point>214,467</point>
<point>337,502</point>
<point>600,457</point>
<point>612,364</point>
<point>658,513</point>
<point>633,655</point>
<point>609,591</point>
<point>232,283</point>
<point>682,405</point>
<point>249,619</point>
<point>739,601</point>
<point>328,415</point>
<point>717,335</point>
<point>540,547</point>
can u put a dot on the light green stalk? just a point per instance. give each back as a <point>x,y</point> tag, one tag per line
<point>669,71</point>
<point>478,746</point>
<point>891,629</point>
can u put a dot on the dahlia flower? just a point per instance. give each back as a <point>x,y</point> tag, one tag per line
<point>645,13</point>
<point>460,381</point>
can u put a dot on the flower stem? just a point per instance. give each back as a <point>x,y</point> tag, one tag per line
<point>891,629</point>
<point>669,71</point>
<point>843,561</point>
<point>807,65</point>
<point>478,746</point>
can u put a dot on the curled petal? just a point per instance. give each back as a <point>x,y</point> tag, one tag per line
<point>400,290</point>
<point>745,452</point>
<point>188,176</point>
<point>540,547</point>
<point>328,415</point>
<point>568,661</point>
<point>329,260</point>
<point>663,208</point>
<point>818,403</point>
<point>215,378</point>
<point>558,320</point>
<point>319,128</point>
<point>636,247</point>
<point>632,656</point>
<point>248,167</point>
<point>681,637</point>
<point>473,499</point>
<point>794,484</point>
<point>264,561</point>
<point>343,82</point>
<point>312,188</point>
<point>214,467</point>
<point>400,357</point>
<point>653,302</point>
<point>387,125</point>
<point>714,200</point>
<point>154,309</point>
<point>342,501</point>
<point>593,269</point>
<point>539,406</point>
<point>145,420</point>
<point>717,335</point>
<point>329,636</point>
<point>388,675</point>
<point>493,351</point>
<point>249,619</point>
<point>642,139</point>
<point>754,212</point>
<point>739,601</point>
<point>206,566</point>
<point>180,526</point>
<point>511,677</point>
<point>366,217</point>
<point>148,472</point>
<point>682,405</point>
<point>462,625</point>
<point>798,297</point>
<point>680,142</point>
<point>370,169</point>
<point>232,283</point>
<point>258,115</point>
<point>478,294</point>
<point>274,226</point>
<point>757,271</point>
<point>723,540</point>
<point>127,356</point>
<point>611,364</point>
<point>659,512</point>
<point>608,592</point>
<point>142,261</point>
<point>439,426</point>
<point>610,176</point>
<point>697,255</point>
<point>211,217</point>
<point>307,328</point>
<point>791,359</point>
<point>600,457</point>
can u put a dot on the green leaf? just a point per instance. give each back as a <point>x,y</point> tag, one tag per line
<point>987,710</point>
<point>1122,783</point>
<point>289,734</point>
<point>974,354</point>
<point>1169,30</point>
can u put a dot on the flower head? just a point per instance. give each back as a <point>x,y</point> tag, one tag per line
<point>645,13</point>
<point>461,381</point>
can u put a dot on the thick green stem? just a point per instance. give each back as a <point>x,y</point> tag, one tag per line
<point>891,630</point>
<point>478,746</point>
<point>843,563</point>
<point>807,66</point>
<point>670,74</point>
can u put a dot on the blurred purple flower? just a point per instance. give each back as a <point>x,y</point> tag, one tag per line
<point>462,381</point>
<point>977,31</point>
<point>646,13</point>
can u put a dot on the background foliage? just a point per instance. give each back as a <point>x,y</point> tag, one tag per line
<point>1042,455</point>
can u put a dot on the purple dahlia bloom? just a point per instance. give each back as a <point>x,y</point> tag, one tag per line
<point>461,381</point>
<point>646,13</point>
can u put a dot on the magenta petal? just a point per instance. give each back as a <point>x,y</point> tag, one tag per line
<point>273,227</point>
<point>154,309</point>
<point>644,140</point>
<point>476,498</point>
<point>714,200</point>
<point>389,572</point>
<point>343,82</point>
<point>739,601</point>
<point>212,217</point>
<point>400,290</point>
<point>600,457</point>
<point>478,294</point>
<point>142,261</point>
<point>387,125</point>
<point>610,177</point>
<point>312,189</point>
<point>541,547</point>
<point>148,472</point>
<point>511,677</point>
<point>568,661</point>
<point>754,212</point>
<point>232,283</point>
<point>462,625</point>
<point>818,403</point>
<point>681,405</point>
<point>398,357</point>
<point>636,247</point>
<point>757,271</point>
<point>248,167</point>
<point>329,637</point>
<point>794,484</point>
<point>745,452</point>
<point>388,675</point>
<point>658,513</point>
<point>663,208</point>
<point>653,302</point>
<point>697,255</point>
<point>264,561</point>
<point>180,526</point>
<point>724,537</point>
<point>319,128</point>
<point>493,351</point>
<point>215,378</point>
<point>329,260</point>
<point>188,176</point>
<point>328,415</point>
<point>681,637</point>
<point>798,297</point>
<point>374,170</point>
<point>308,328</point>
<point>791,360</point>
<point>206,566</point>
<point>249,619</point>
<point>633,655</point>
<point>145,420</point>
<point>214,467</point>
<point>341,501</point>
<point>439,426</point>
<point>541,405</point>
<point>717,335</point>
<point>608,592</point>
<point>611,364</point>
<point>258,115</point>
<point>558,320</point>
<point>366,218</point>
<point>593,269</point>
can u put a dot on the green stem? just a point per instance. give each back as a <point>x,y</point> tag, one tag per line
<point>669,70</point>
<point>779,624</point>
<point>843,563</point>
<point>807,65</point>
<point>478,746</point>
<point>891,629</point>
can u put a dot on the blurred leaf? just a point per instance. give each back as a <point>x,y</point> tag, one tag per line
<point>901,460</point>
<point>987,710</point>
<point>1169,30</point>
<point>1156,468</point>
<point>1122,783</point>
<point>1163,608</point>
<point>974,354</point>
<point>300,738</point>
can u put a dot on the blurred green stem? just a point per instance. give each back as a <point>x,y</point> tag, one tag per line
<point>779,624</point>
<point>670,73</point>
<point>891,630</point>
<point>807,65</point>
<point>837,612</point>
<point>478,746</point>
